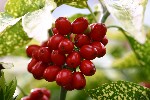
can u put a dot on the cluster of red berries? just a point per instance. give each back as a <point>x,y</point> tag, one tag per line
<point>72,45</point>
<point>38,94</point>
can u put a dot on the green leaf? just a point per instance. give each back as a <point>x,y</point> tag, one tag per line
<point>120,90</point>
<point>12,38</point>
<point>6,65</point>
<point>130,14</point>
<point>7,20</point>
<point>74,3</point>
<point>18,8</point>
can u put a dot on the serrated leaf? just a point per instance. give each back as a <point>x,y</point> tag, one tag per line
<point>7,20</point>
<point>12,38</point>
<point>6,65</point>
<point>37,23</point>
<point>18,8</point>
<point>130,14</point>
<point>120,90</point>
<point>75,3</point>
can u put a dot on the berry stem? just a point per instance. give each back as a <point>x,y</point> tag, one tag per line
<point>91,12</point>
<point>24,94</point>
<point>63,93</point>
<point>105,16</point>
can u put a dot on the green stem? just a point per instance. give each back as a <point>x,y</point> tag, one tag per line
<point>91,12</point>
<point>105,16</point>
<point>24,94</point>
<point>63,93</point>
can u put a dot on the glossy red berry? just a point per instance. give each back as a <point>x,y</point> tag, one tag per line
<point>63,25</point>
<point>88,52</point>
<point>73,60</point>
<point>66,46</point>
<point>58,58</point>
<point>64,77</point>
<point>30,49</point>
<point>51,72</point>
<point>81,39</point>
<point>145,84</point>
<point>54,41</point>
<point>31,64</point>
<point>44,54</point>
<point>46,92</point>
<point>55,31</point>
<point>44,98</point>
<point>38,70</point>
<point>87,68</point>
<point>69,87</point>
<point>79,80</point>
<point>36,94</point>
<point>104,41</point>
<point>26,98</point>
<point>44,44</point>
<point>35,54</point>
<point>98,31</point>
<point>79,25</point>
<point>100,48</point>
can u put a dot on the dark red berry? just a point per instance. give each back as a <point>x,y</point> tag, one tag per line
<point>63,25</point>
<point>51,72</point>
<point>30,49</point>
<point>88,52</point>
<point>79,80</point>
<point>81,39</point>
<point>26,98</point>
<point>65,46</point>
<point>55,31</point>
<point>54,41</point>
<point>35,54</point>
<point>44,44</point>
<point>104,41</point>
<point>100,48</point>
<point>38,70</point>
<point>31,64</point>
<point>46,92</point>
<point>145,84</point>
<point>69,87</point>
<point>58,58</point>
<point>44,98</point>
<point>87,68</point>
<point>98,31</point>
<point>79,25</point>
<point>64,77</point>
<point>44,54</point>
<point>36,94</point>
<point>73,59</point>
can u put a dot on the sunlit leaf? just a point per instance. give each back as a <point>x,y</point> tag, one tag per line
<point>75,3</point>
<point>7,20</point>
<point>120,90</point>
<point>37,23</point>
<point>12,38</point>
<point>130,14</point>
<point>18,8</point>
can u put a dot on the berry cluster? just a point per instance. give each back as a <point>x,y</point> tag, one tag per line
<point>72,45</point>
<point>38,94</point>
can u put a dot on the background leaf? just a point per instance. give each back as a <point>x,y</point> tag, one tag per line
<point>12,38</point>
<point>130,14</point>
<point>18,8</point>
<point>120,90</point>
<point>6,65</point>
<point>75,3</point>
<point>6,20</point>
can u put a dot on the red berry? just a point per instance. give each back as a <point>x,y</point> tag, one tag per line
<point>44,98</point>
<point>31,64</point>
<point>44,44</point>
<point>88,52</point>
<point>64,77</point>
<point>55,31</point>
<point>46,92</point>
<point>65,46</point>
<point>87,68</point>
<point>81,39</point>
<point>69,87</point>
<point>100,48</point>
<point>35,54</point>
<point>36,94</point>
<point>73,59</point>
<point>79,25</point>
<point>38,70</point>
<point>44,54</point>
<point>54,41</point>
<point>79,81</point>
<point>98,31</point>
<point>63,25</point>
<point>30,49</point>
<point>104,40</point>
<point>145,84</point>
<point>58,58</point>
<point>26,98</point>
<point>50,73</point>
